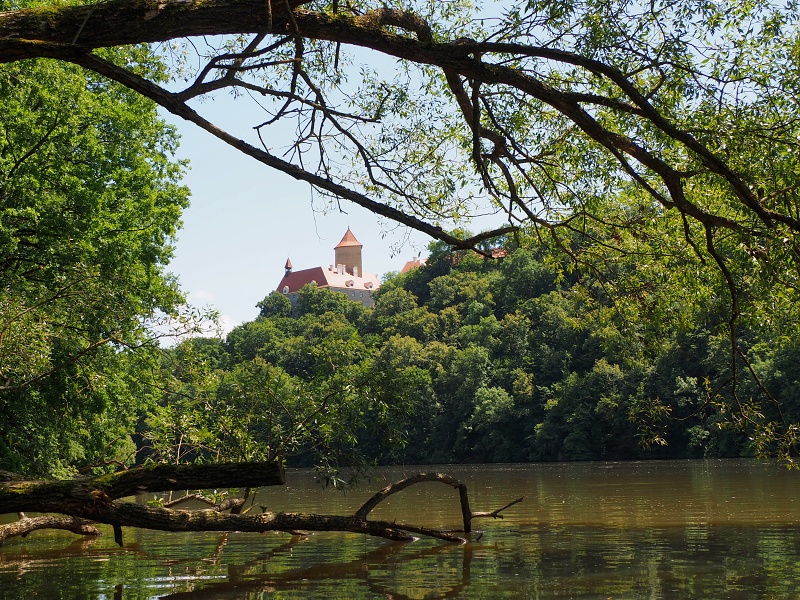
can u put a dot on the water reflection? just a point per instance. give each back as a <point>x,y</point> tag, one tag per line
<point>384,571</point>
<point>726,529</point>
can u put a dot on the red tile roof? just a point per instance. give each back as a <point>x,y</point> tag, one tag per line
<point>294,281</point>
<point>324,277</point>
<point>413,264</point>
<point>348,240</point>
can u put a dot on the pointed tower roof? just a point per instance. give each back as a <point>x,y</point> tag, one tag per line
<point>348,240</point>
<point>288,264</point>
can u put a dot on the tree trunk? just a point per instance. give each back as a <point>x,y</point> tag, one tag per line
<point>124,22</point>
<point>85,496</point>
<point>98,500</point>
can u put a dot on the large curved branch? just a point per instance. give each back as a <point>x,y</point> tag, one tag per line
<point>646,110</point>
<point>68,32</point>
<point>466,512</point>
<point>176,106</point>
<point>454,58</point>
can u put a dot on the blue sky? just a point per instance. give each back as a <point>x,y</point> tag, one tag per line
<point>246,219</point>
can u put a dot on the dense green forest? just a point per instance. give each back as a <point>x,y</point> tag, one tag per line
<point>471,359</point>
<point>90,201</point>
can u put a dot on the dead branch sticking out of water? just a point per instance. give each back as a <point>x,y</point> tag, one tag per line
<point>91,500</point>
<point>466,512</point>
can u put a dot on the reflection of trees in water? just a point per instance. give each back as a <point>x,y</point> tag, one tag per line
<point>369,571</point>
<point>523,561</point>
<point>25,561</point>
<point>391,570</point>
<point>545,550</point>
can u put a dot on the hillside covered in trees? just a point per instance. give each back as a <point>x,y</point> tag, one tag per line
<point>470,359</point>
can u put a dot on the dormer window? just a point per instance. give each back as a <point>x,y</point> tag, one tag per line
<point>286,289</point>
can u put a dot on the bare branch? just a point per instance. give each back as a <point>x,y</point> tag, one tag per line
<point>96,499</point>
<point>27,525</point>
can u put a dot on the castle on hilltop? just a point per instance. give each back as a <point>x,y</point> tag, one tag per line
<point>345,275</point>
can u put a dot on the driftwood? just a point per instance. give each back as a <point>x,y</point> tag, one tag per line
<point>466,513</point>
<point>28,524</point>
<point>100,500</point>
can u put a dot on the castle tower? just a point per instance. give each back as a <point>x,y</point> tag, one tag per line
<point>347,276</point>
<point>348,253</point>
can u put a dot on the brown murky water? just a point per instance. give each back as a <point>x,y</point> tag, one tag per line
<point>675,529</point>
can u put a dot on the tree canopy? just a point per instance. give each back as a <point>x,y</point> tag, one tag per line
<point>613,131</point>
<point>558,106</point>
<point>504,361</point>
<point>610,130</point>
<point>89,203</point>
<point>575,121</point>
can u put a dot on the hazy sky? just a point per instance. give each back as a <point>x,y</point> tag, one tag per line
<point>246,219</point>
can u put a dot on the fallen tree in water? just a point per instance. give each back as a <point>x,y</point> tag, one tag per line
<point>84,502</point>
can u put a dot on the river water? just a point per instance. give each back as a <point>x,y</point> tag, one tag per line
<point>671,529</point>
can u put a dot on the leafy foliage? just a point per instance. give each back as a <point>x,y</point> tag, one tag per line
<point>527,358</point>
<point>89,205</point>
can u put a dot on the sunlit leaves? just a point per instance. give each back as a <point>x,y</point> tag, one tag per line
<point>90,204</point>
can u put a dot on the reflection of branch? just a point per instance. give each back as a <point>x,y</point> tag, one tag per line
<point>242,581</point>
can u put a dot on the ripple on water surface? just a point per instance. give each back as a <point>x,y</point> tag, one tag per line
<point>718,529</point>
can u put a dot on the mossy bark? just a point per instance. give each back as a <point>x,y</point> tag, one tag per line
<point>98,500</point>
<point>28,33</point>
<point>91,496</point>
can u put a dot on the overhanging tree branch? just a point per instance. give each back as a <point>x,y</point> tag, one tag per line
<point>172,103</point>
<point>607,103</point>
<point>36,32</point>
<point>31,33</point>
